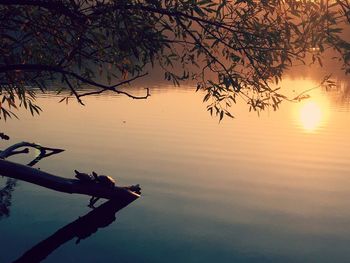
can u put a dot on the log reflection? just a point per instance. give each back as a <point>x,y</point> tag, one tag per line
<point>81,228</point>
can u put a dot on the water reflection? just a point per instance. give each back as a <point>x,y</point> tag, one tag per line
<point>6,196</point>
<point>310,115</point>
<point>312,111</point>
<point>81,228</point>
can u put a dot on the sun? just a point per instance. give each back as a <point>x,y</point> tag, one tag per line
<point>310,115</point>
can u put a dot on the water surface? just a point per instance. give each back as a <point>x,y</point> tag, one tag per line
<point>274,188</point>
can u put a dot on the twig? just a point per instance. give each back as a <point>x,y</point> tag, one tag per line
<point>113,89</point>
<point>73,90</point>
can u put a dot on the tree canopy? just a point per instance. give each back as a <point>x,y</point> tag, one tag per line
<point>233,49</point>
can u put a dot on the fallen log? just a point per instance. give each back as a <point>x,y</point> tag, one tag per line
<point>61,184</point>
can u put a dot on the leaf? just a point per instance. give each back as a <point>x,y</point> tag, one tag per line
<point>229,114</point>
<point>221,115</point>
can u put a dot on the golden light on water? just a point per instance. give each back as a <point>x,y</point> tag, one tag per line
<point>313,112</point>
<point>310,115</point>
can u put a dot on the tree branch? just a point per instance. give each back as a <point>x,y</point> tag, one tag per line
<point>112,88</point>
<point>56,7</point>
<point>56,69</point>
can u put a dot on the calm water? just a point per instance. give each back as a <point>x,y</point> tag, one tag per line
<point>274,188</point>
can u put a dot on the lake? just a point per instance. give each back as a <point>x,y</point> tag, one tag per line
<point>268,188</point>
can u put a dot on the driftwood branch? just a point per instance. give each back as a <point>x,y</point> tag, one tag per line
<point>65,185</point>
<point>57,183</point>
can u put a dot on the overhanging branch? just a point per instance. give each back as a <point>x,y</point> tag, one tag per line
<point>57,7</point>
<point>65,73</point>
<point>113,88</point>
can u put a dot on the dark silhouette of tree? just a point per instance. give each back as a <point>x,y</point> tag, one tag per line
<point>6,197</point>
<point>234,49</point>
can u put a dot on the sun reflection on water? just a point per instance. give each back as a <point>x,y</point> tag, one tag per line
<point>313,113</point>
<point>310,115</point>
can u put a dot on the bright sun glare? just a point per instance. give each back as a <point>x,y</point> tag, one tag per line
<point>310,115</point>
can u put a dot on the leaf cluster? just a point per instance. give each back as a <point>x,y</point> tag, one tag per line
<point>234,49</point>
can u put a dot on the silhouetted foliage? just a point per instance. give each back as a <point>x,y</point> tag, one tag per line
<point>234,49</point>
